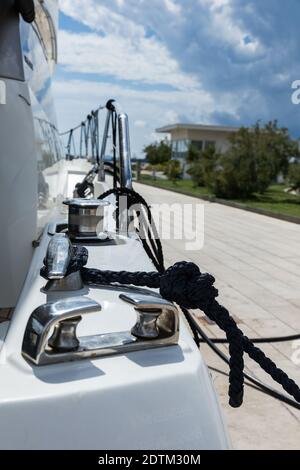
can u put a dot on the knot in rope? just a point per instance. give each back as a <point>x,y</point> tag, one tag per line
<point>184,284</point>
<point>79,259</point>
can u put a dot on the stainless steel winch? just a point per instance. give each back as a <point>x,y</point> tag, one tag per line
<point>86,219</point>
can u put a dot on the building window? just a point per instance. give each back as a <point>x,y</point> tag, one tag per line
<point>197,144</point>
<point>180,148</point>
<point>210,144</point>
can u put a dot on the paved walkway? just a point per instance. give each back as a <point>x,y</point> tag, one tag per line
<point>256,262</point>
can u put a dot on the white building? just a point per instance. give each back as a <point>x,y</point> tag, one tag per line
<point>201,136</point>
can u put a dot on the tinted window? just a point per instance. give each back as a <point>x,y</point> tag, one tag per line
<point>11,63</point>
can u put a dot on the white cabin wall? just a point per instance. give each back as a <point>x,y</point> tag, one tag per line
<point>18,190</point>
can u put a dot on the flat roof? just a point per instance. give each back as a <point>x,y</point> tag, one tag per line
<point>196,127</point>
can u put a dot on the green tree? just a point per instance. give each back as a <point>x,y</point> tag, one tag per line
<point>158,153</point>
<point>255,159</point>
<point>196,172</point>
<point>193,154</point>
<point>202,164</point>
<point>280,147</point>
<point>195,165</point>
<point>294,177</point>
<point>235,174</point>
<point>174,170</point>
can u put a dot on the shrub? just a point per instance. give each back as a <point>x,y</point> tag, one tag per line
<point>203,164</point>
<point>174,171</point>
<point>252,163</point>
<point>294,177</point>
<point>158,153</point>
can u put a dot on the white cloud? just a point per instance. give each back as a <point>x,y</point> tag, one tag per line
<point>145,61</point>
<point>226,28</point>
<point>98,17</point>
<point>214,58</point>
<point>118,47</point>
<point>139,123</point>
<point>172,116</point>
<point>120,3</point>
<point>122,48</point>
<point>173,7</point>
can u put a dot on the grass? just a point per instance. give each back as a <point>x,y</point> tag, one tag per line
<point>275,200</point>
<point>181,186</point>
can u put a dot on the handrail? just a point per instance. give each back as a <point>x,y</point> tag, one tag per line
<point>101,175</point>
<point>115,120</point>
<point>125,153</point>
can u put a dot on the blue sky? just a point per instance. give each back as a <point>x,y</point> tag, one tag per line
<point>206,61</point>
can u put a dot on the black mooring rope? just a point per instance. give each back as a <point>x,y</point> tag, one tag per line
<point>147,230</point>
<point>185,285</point>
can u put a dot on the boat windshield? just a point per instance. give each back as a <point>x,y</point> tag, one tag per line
<point>11,62</point>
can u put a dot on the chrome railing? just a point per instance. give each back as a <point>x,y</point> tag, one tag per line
<point>124,145</point>
<point>101,175</point>
<point>125,153</point>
